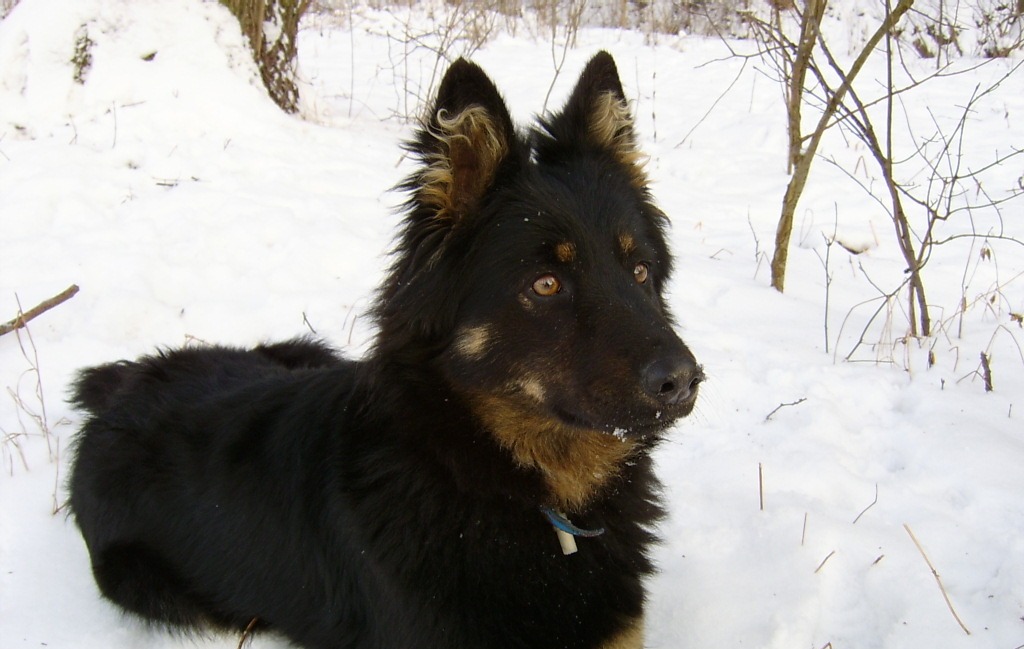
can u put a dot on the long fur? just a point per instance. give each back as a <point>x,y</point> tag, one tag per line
<point>525,363</point>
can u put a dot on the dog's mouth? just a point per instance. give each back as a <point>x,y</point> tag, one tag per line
<point>650,423</point>
<point>661,393</point>
<point>625,418</point>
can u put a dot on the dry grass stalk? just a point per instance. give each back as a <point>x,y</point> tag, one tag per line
<point>938,579</point>
<point>57,506</point>
<point>760,484</point>
<point>11,445</point>
<point>36,413</point>
<point>247,634</point>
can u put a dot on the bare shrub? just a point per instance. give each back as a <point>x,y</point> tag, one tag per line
<point>81,60</point>
<point>29,400</point>
<point>791,58</point>
<point>930,190</point>
<point>1001,27</point>
<point>947,29</point>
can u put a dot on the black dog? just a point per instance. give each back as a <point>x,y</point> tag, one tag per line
<point>524,368</point>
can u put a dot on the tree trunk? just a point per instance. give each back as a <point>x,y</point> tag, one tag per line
<point>276,57</point>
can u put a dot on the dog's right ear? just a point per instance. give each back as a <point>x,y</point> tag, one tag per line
<point>467,136</point>
<point>595,118</point>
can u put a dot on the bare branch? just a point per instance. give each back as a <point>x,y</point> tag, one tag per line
<point>22,319</point>
<point>784,405</point>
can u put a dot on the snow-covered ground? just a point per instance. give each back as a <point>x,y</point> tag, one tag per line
<point>186,206</point>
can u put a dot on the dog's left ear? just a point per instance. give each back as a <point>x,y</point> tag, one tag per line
<point>595,118</point>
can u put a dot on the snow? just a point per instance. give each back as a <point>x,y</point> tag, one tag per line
<point>187,207</point>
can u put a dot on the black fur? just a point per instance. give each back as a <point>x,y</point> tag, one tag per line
<point>386,503</point>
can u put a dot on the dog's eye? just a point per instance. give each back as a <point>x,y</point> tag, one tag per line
<point>547,285</point>
<point>641,272</point>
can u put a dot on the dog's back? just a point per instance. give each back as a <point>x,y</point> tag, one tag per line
<point>152,426</point>
<point>99,388</point>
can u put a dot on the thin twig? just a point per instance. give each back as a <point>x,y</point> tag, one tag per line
<point>938,579</point>
<point>822,564</point>
<point>828,275</point>
<point>784,405</point>
<point>759,255</point>
<point>23,318</point>
<point>572,24</point>
<point>306,322</point>
<point>713,105</point>
<point>873,503</point>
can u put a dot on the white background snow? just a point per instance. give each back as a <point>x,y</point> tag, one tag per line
<point>187,207</point>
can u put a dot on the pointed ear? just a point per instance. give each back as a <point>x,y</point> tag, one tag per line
<point>596,117</point>
<point>465,138</point>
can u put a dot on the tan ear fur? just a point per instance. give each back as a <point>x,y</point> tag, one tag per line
<point>471,148</point>
<point>611,127</point>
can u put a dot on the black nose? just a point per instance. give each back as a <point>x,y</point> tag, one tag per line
<point>673,379</point>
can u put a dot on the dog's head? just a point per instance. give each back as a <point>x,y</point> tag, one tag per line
<point>531,270</point>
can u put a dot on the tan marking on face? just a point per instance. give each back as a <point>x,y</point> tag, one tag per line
<point>472,342</point>
<point>627,243</point>
<point>533,387</point>
<point>631,637</point>
<point>566,252</point>
<point>576,462</point>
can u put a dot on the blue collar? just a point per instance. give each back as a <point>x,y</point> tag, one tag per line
<point>560,522</point>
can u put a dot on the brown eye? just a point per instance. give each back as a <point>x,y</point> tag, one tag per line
<point>547,285</point>
<point>641,272</point>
